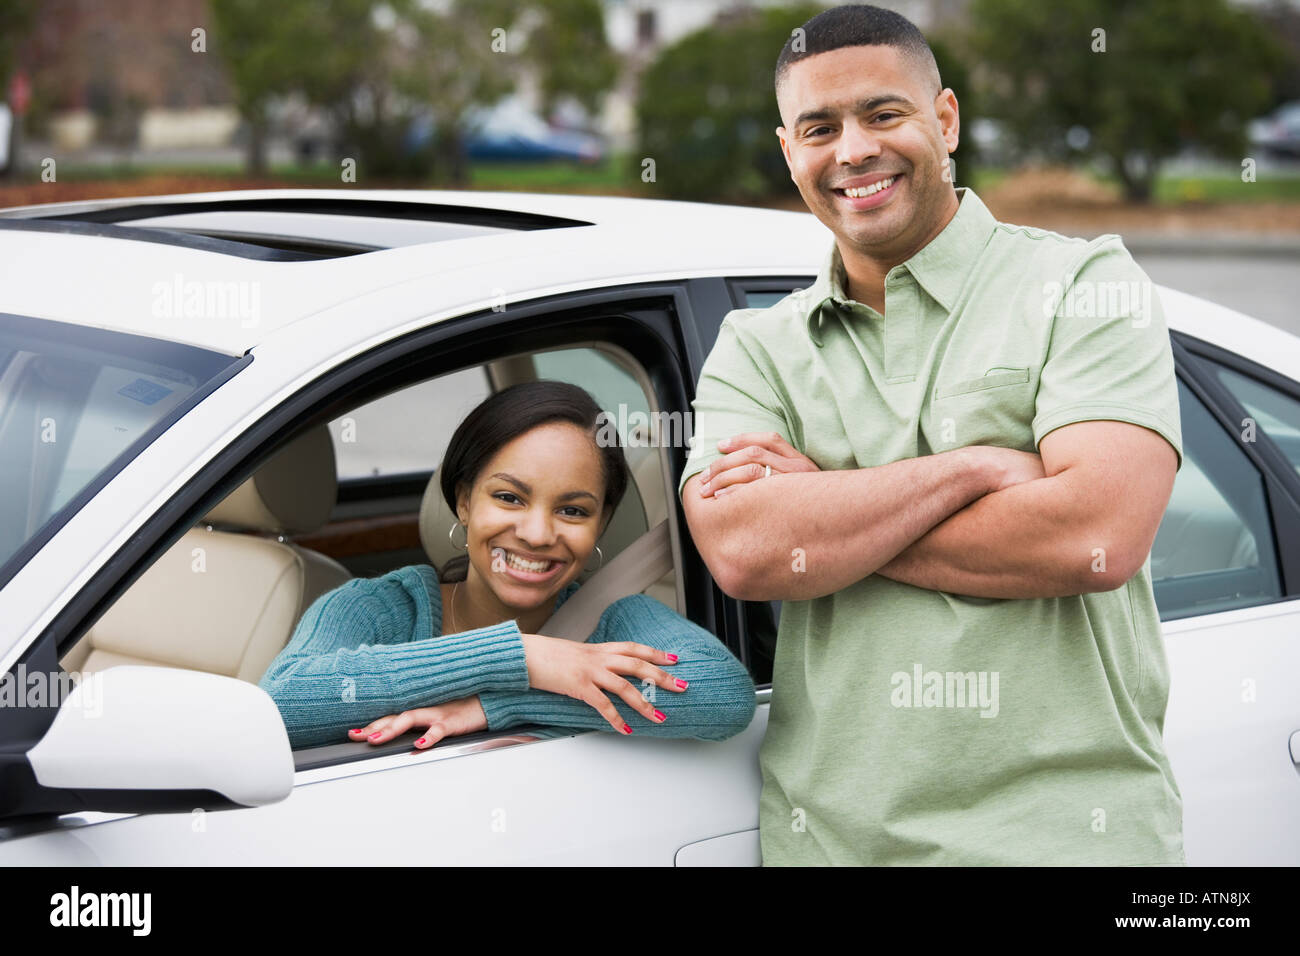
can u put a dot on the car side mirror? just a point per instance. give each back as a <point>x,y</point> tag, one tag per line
<point>135,739</point>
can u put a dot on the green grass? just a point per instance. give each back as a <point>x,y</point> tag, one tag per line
<point>1268,187</point>
<point>614,173</point>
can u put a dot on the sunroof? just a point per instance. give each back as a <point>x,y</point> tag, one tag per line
<point>324,230</point>
<point>296,228</point>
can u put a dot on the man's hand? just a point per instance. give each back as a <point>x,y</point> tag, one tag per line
<point>843,524</point>
<point>748,453</point>
<point>748,457</point>
<point>1087,526</point>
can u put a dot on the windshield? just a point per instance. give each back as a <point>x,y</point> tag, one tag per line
<point>76,404</point>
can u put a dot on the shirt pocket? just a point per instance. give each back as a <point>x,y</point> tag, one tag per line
<point>995,409</point>
<point>998,377</point>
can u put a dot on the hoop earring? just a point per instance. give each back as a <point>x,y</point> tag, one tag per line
<point>600,554</point>
<point>451,533</point>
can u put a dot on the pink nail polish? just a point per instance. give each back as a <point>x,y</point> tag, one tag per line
<point>627,729</point>
<point>673,658</point>
<point>681,683</point>
<point>660,717</point>
<point>357,731</point>
<point>419,742</point>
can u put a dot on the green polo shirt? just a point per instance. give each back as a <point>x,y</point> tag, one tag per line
<point>912,726</point>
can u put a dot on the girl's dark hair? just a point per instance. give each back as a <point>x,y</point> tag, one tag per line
<point>501,418</point>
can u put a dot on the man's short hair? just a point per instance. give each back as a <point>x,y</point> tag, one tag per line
<point>859,24</point>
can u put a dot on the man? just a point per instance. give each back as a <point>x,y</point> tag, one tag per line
<point>949,458</point>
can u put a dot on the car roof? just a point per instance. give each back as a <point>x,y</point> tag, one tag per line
<point>114,282</point>
<point>545,242</point>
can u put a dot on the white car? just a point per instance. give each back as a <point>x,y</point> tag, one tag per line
<point>215,407</point>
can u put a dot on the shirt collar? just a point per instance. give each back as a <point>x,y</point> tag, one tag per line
<point>941,266</point>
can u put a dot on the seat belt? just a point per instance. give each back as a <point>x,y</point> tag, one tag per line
<point>639,565</point>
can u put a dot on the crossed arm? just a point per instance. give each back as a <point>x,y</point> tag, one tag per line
<point>972,521</point>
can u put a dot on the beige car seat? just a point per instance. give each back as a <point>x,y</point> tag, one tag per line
<point>226,599</point>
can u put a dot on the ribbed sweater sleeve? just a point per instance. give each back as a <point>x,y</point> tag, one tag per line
<point>373,647</point>
<point>718,703</point>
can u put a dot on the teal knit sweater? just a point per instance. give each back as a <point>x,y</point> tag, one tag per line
<point>374,646</point>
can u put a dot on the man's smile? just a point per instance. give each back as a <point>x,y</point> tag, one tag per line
<point>867,192</point>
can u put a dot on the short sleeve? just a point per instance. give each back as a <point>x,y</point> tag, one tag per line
<point>732,397</point>
<point>1109,356</point>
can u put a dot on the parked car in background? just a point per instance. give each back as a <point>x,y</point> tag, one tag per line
<point>512,133</point>
<point>1278,134</point>
<point>305,355</point>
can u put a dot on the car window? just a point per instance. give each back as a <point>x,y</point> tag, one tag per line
<point>1214,550</point>
<point>763,299</point>
<point>73,400</point>
<point>406,431</point>
<point>612,386</point>
<point>1271,410</point>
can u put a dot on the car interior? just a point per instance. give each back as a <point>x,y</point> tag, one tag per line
<point>356,497</point>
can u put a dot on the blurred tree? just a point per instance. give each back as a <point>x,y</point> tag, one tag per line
<point>954,74</point>
<point>270,56</point>
<point>470,53</point>
<point>567,48</point>
<point>1282,19</point>
<point>706,110</point>
<point>399,77</point>
<point>16,18</point>
<point>1144,80</point>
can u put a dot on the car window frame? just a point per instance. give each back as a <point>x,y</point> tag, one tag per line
<point>1281,481</point>
<point>1176,595</point>
<point>635,317</point>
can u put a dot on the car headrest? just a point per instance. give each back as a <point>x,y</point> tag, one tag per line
<point>436,520</point>
<point>292,493</point>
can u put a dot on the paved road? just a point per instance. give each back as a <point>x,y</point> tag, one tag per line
<point>1265,286</point>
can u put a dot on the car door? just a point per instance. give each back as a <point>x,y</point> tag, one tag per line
<point>484,798</point>
<point>1227,579</point>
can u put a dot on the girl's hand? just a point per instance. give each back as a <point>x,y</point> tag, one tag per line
<point>585,671</point>
<point>746,459</point>
<point>443,720</point>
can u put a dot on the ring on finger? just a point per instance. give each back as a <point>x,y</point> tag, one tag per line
<point>767,471</point>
